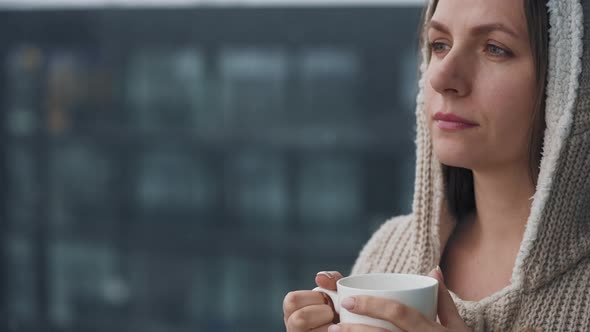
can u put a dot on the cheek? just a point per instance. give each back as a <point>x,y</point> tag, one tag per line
<point>509,101</point>
<point>430,107</point>
<point>508,109</point>
<point>430,100</point>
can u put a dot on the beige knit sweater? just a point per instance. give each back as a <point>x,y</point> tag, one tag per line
<point>550,284</point>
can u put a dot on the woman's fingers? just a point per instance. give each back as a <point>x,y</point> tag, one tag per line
<point>307,310</point>
<point>328,279</point>
<point>447,310</point>
<point>355,328</point>
<point>323,328</point>
<point>400,315</point>
<point>311,311</point>
<point>309,318</point>
<point>299,299</point>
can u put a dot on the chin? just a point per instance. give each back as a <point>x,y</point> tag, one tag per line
<point>453,162</point>
<point>454,155</point>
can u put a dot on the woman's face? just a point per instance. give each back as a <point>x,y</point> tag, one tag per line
<point>482,71</point>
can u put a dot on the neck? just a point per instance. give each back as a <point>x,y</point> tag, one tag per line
<point>503,203</point>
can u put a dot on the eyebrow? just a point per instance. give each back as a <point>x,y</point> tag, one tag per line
<point>479,29</point>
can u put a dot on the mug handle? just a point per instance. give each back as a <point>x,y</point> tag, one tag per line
<point>333,296</point>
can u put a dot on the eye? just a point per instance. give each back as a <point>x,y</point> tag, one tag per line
<point>438,47</point>
<point>495,50</point>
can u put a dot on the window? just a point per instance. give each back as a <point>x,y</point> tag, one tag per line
<point>182,170</point>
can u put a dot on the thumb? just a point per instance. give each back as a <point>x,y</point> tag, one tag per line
<point>328,279</point>
<point>447,310</point>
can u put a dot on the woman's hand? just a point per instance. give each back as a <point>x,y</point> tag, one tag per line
<point>307,310</point>
<point>403,316</point>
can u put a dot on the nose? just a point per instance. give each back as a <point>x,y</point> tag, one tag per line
<point>450,75</point>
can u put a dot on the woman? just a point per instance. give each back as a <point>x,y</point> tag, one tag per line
<point>501,81</point>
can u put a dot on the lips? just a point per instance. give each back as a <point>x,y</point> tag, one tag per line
<point>448,121</point>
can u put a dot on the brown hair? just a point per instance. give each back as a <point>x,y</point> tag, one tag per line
<point>459,181</point>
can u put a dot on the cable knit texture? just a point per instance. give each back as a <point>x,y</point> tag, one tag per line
<point>550,284</point>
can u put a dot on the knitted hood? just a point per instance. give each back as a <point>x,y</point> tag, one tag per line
<point>557,234</point>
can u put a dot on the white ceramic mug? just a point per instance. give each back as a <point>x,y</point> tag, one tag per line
<point>416,291</point>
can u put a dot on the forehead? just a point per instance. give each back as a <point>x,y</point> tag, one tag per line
<point>458,14</point>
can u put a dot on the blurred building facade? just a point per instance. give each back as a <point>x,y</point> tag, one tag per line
<point>183,169</point>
